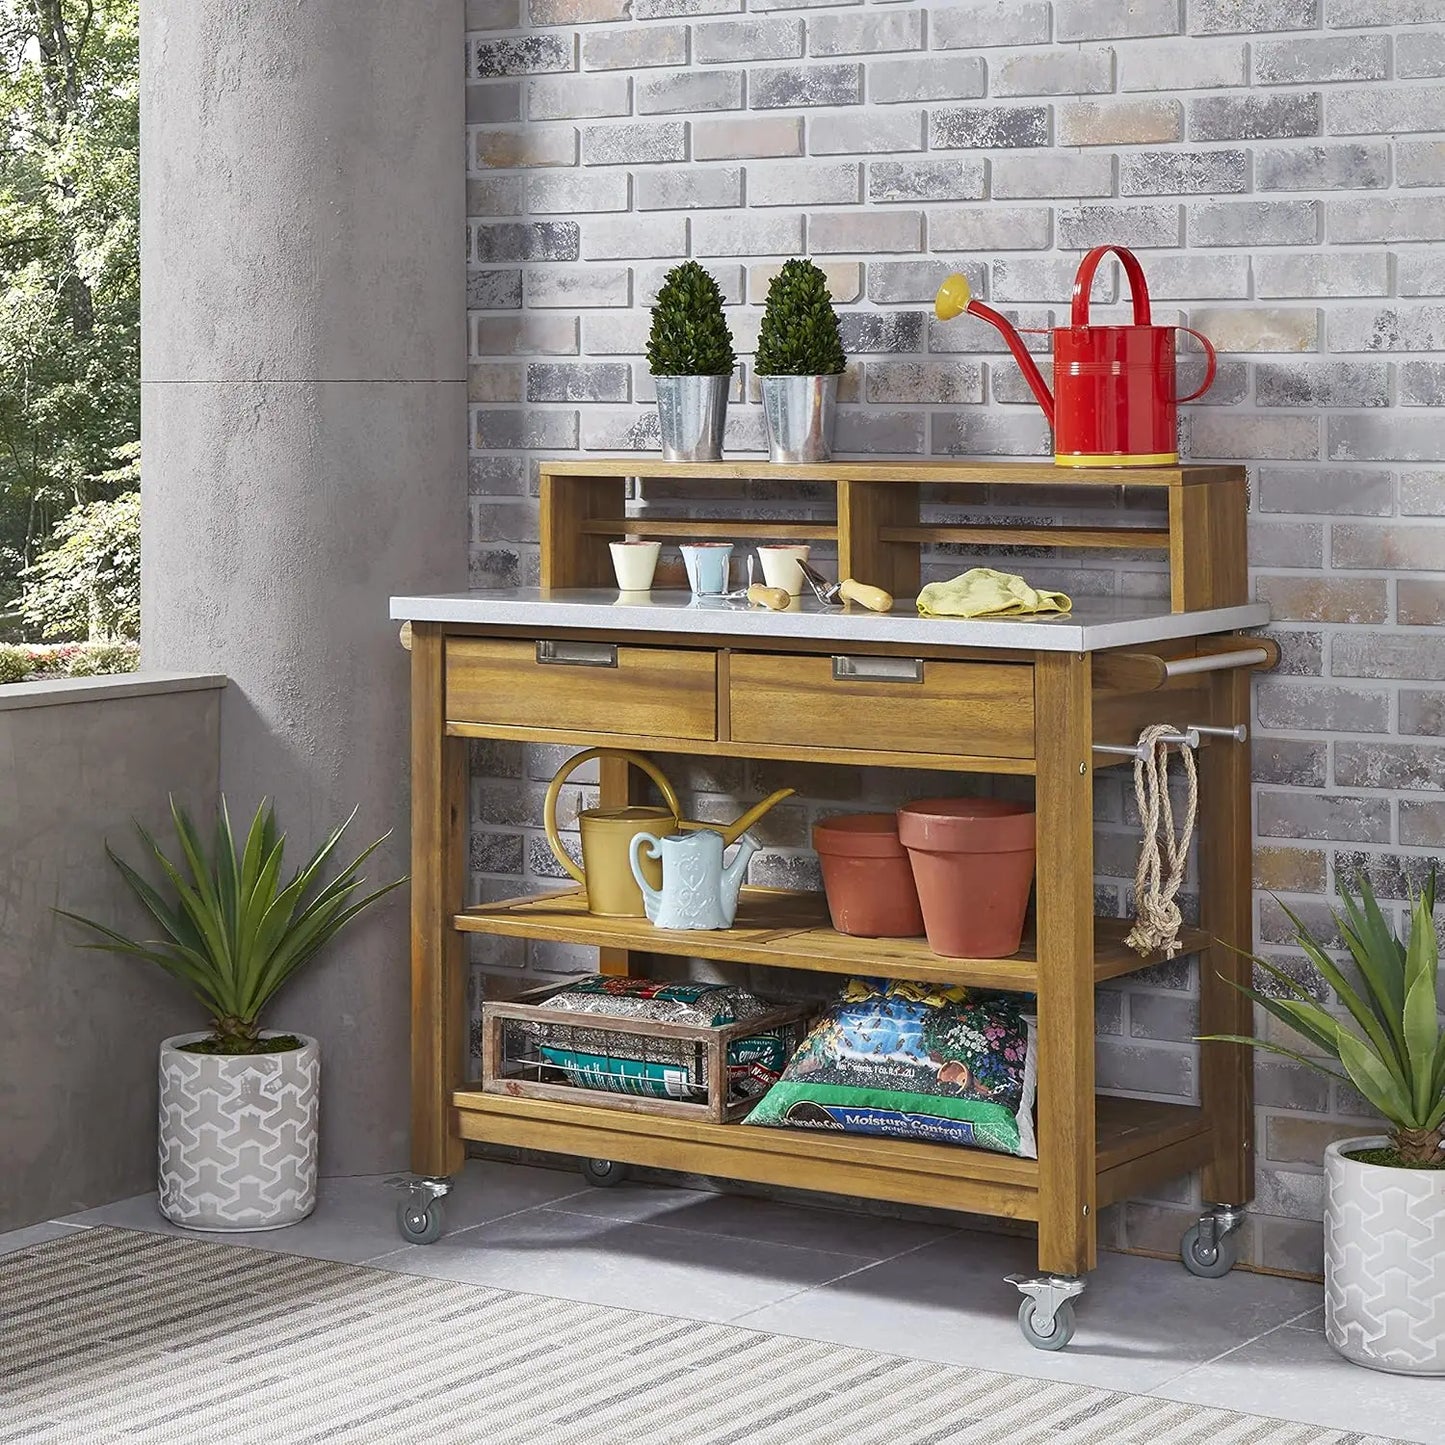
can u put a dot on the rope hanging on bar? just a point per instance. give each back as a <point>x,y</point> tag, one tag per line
<point>1163,853</point>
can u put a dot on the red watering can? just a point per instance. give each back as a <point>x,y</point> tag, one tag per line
<point>1116,404</point>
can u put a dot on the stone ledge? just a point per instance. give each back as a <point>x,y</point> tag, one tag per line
<point>51,691</point>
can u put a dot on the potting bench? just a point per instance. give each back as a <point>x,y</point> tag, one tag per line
<point>575,663</point>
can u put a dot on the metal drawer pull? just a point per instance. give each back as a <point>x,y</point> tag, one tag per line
<point>877,669</point>
<point>578,654</point>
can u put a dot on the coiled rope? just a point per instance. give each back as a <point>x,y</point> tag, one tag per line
<point>1157,918</point>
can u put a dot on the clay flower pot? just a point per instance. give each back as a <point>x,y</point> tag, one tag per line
<point>973,862</point>
<point>867,877</point>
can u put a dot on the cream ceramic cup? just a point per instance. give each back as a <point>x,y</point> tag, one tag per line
<point>780,566</point>
<point>634,563</point>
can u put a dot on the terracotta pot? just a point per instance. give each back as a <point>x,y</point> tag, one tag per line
<point>867,877</point>
<point>973,862</point>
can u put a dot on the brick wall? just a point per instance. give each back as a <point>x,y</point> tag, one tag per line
<point>1280,166</point>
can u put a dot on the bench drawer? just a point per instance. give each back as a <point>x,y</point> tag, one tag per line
<point>883,704</point>
<point>582,687</point>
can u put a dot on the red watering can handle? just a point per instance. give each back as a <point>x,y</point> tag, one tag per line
<point>1210,360</point>
<point>1084,281</point>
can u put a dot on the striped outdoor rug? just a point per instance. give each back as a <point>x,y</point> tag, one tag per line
<point>112,1336</point>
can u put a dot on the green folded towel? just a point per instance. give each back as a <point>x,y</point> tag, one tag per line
<point>982,592</point>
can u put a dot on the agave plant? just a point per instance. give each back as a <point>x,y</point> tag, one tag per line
<point>231,931</point>
<point>1395,1054</point>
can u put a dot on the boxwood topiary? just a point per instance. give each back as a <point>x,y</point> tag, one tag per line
<point>689,335</point>
<point>799,334</point>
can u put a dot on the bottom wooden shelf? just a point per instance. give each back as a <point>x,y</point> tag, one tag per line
<point>1138,1143</point>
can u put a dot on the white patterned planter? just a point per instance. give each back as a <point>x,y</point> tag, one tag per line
<point>1384,1262</point>
<point>237,1147</point>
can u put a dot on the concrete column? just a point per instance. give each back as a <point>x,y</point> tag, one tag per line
<point>304,439</point>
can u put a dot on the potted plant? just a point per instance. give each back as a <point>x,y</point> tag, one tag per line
<point>1385,1194</point>
<point>799,359</point>
<point>690,354</point>
<point>238,1104</point>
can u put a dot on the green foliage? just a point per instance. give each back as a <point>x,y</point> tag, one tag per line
<point>799,335</point>
<point>689,335</point>
<point>69,263</point>
<point>31,662</point>
<point>1395,1053</point>
<point>232,932</point>
<point>88,585</point>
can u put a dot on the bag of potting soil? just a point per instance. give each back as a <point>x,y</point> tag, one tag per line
<point>914,1061</point>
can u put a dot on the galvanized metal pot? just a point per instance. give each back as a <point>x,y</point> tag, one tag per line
<point>799,410</point>
<point>691,411</point>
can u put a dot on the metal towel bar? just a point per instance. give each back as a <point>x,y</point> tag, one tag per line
<point>1216,661</point>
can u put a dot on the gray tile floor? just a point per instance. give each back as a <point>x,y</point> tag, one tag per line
<point>1246,1342</point>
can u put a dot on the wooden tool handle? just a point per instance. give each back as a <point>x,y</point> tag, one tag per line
<point>875,599</point>
<point>775,598</point>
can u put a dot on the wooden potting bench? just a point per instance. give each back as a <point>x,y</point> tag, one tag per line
<point>575,663</point>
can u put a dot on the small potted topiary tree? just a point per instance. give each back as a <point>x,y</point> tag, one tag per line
<point>690,354</point>
<point>1384,1194</point>
<point>799,359</point>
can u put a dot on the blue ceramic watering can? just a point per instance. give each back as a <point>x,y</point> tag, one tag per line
<point>698,890</point>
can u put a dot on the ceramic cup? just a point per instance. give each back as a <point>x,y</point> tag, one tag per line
<point>707,567</point>
<point>634,563</point>
<point>780,567</point>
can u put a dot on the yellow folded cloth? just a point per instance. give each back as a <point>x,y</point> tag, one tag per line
<point>982,592</point>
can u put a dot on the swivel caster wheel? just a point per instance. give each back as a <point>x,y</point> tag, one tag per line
<point>603,1173</point>
<point>1059,1332</point>
<point>1206,1259</point>
<point>419,1223</point>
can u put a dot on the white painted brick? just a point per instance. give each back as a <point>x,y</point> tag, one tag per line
<point>1177,65</point>
<point>1120,122</point>
<point>503,147</point>
<point>868,133</point>
<point>747,138</point>
<point>877,232</point>
<point>669,9</point>
<point>690,90</point>
<point>970,24</point>
<point>865,32</point>
<point>1348,14</point>
<point>1026,177</point>
<point>1258,328</point>
<point>647,279</point>
<point>634,46</point>
<point>733,40</point>
<point>1137,226</point>
<point>747,234</point>
<point>572,287</point>
<point>643,143</point>
<point>615,335</point>
<point>1230,436</point>
<point>1246,17</point>
<point>1412,218</point>
<point>1114,19</point>
<point>1190,276</point>
<point>805,183</point>
<point>963,179</point>
<point>1348,273</point>
<point>1349,166</point>
<point>932,77</point>
<point>1386,109</point>
<point>1053,72</point>
<point>1420,163</point>
<point>894,281</point>
<point>987,227</point>
<point>780,87</point>
<point>1254,223</point>
<point>1421,56</point>
<point>613,238</point>
<point>1183,172</point>
<point>686,188</point>
<point>569,192</point>
<point>1387,328</point>
<point>844,278</point>
<point>570,97</point>
<point>1037,278</point>
<point>1329,57</point>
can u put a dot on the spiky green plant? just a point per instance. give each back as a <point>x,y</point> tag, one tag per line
<point>231,931</point>
<point>689,335</point>
<point>1395,1054</point>
<point>799,334</point>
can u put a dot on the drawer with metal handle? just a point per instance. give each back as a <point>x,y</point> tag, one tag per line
<point>913,705</point>
<point>553,684</point>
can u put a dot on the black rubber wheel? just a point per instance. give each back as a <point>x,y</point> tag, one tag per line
<point>603,1173</point>
<point>418,1224</point>
<point>1059,1335</point>
<point>1208,1263</point>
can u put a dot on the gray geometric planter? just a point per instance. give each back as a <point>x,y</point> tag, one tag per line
<point>1384,1263</point>
<point>237,1143</point>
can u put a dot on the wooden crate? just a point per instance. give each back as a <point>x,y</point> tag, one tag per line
<point>523,1078</point>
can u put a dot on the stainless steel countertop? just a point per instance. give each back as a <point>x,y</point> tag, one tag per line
<point>1094,624</point>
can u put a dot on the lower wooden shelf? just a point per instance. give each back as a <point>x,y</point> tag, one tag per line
<point>1138,1143</point>
<point>790,930</point>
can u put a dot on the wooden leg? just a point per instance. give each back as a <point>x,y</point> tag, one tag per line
<point>615,783</point>
<point>1065,909</point>
<point>438,891</point>
<point>1226,1071</point>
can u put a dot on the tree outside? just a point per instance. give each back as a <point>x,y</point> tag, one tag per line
<point>69,330</point>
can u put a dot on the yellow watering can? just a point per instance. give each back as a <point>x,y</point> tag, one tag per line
<point>607,835</point>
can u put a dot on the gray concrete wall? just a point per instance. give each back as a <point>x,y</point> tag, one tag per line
<point>79,1030</point>
<point>303,427</point>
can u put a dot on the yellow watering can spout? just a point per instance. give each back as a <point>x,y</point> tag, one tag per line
<point>953,298</point>
<point>739,826</point>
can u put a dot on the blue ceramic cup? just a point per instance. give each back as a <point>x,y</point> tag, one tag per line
<point>707,567</point>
